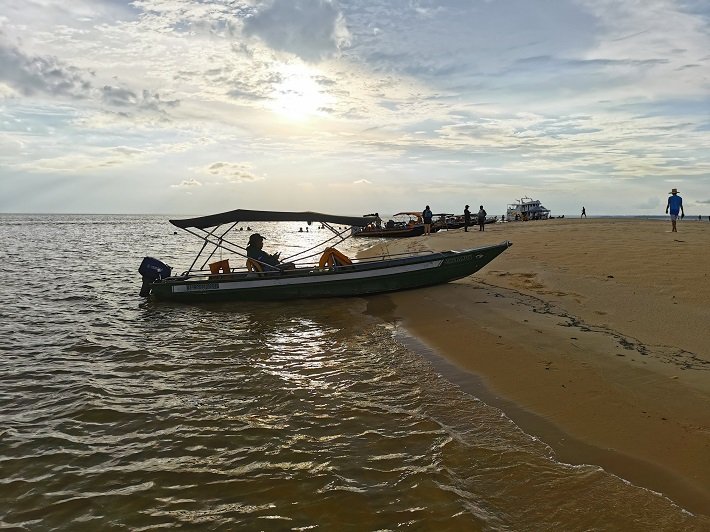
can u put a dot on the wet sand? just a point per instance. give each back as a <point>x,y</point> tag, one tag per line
<point>591,334</point>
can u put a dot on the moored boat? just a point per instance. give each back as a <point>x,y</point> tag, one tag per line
<point>397,227</point>
<point>527,209</point>
<point>332,275</point>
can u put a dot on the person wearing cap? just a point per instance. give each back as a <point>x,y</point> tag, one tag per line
<point>675,205</point>
<point>270,261</point>
<point>466,219</point>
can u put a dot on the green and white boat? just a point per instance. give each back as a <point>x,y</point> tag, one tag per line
<point>327,273</point>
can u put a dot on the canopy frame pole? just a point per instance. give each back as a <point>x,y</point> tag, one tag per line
<point>217,245</point>
<point>207,239</point>
<point>204,245</point>
<point>337,234</point>
<point>220,242</point>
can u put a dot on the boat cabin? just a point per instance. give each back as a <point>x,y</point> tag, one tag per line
<point>526,209</point>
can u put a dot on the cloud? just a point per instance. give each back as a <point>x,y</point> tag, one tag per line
<point>91,160</point>
<point>9,145</point>
<point>449,96</point>
<point>118,97</point>
<point>187,183</point>
<point>126,98</point>
<point>232,172</point>
<point>311,29</point>
<point>650,204</point>
<point>30,75</point>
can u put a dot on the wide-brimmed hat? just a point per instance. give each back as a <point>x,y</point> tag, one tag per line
<point>674,191</point>
<point>256,237</point>
<point>467,206</point>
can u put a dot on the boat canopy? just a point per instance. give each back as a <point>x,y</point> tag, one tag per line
<point>409,213</point>
<point>242,215</point>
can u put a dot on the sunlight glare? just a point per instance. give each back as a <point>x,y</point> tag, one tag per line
<point>298,96</point>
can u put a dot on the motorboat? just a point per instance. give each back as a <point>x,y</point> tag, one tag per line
<point>401,225</point>
<point>526,209</point>
<point>315,274</point>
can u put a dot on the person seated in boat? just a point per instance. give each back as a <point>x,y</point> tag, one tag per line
<point>269,261</point>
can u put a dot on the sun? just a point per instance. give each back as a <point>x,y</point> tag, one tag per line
<point>298,96</point>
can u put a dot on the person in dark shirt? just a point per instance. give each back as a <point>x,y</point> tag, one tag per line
<point>482,219</point>
<point>427,216</point>
<point>270,262</point>
<point>466,219</point>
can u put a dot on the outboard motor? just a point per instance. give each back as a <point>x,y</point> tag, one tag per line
<point>152,270</point>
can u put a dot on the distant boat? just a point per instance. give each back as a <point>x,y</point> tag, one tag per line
<point>446,221</point>
<point>394,228</point>
<point>390,232</point>
<point>526,209</point>
<point>334,275</point>
<point>458,221</point>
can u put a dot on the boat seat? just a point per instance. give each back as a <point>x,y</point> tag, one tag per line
<point>332,258</point>
<point>221,266</point>
<point>254,267</point>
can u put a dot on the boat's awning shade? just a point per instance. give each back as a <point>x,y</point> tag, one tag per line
<point>410,213</point>
<point>242,215</point>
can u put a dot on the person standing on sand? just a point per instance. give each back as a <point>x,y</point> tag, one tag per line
<point>427,215</point>
<point>482,218</point>
<point>584,213</point>
<point>675,204</point>
<point>466,219</point>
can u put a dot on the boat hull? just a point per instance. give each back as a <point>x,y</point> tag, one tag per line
<point>357,280</point>
<point>417,230</point>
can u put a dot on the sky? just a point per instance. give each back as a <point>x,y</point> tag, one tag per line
<point>353,106</point>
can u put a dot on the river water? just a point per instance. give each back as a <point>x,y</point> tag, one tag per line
<point>121,413</point>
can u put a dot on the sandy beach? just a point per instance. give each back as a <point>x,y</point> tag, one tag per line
<point>590,334</point>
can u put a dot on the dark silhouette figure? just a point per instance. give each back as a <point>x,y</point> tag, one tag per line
<point>427,216</point>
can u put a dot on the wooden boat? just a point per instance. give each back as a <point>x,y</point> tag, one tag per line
<point>391,232</point>
<point>451,221</point>
<point>333,275</point>
<point>413,226</point>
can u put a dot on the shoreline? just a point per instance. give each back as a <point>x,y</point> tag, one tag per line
<point>566,448</point>
<point>595,356</point>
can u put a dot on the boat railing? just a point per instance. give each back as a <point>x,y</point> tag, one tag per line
<point>300,267</point>
<point>217,238</point>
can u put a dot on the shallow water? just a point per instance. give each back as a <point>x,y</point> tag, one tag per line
<point>116,412</point>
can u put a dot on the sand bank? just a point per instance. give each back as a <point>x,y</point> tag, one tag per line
<point>595,334</point>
